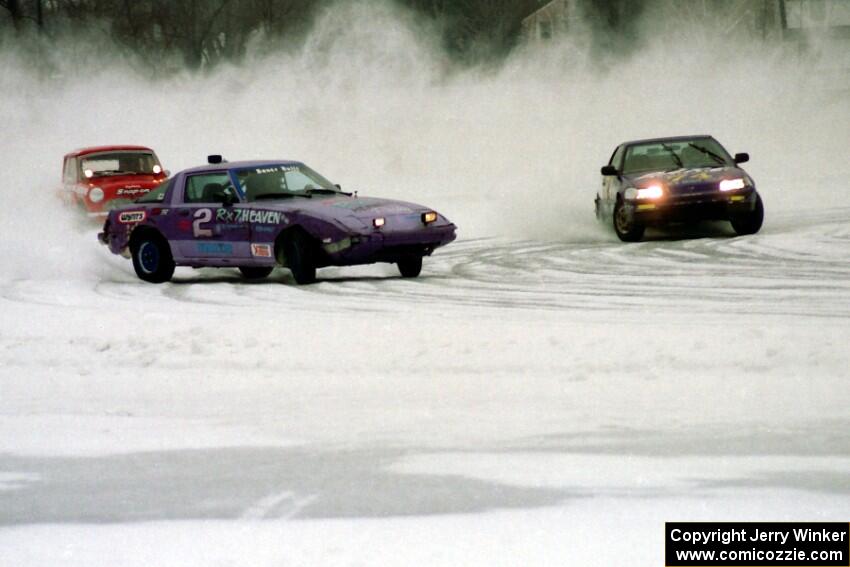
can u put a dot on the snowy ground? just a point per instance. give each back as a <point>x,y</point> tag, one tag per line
<point>549,396</point>
<point>522,403</point>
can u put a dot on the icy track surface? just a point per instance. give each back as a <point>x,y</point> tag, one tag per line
<point>522,403</point>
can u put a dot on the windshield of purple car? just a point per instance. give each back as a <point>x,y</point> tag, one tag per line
<point>158,194</point>
<point>119,163</point>
<point>281,181</point>
<point>670,155</point>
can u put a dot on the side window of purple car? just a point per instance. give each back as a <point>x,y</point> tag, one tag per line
<point>208,188</point>
<point>158,194</point>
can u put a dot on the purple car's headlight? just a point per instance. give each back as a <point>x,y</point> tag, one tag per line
<point>429,217</point>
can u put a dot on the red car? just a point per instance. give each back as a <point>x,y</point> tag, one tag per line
<point>98,179</point>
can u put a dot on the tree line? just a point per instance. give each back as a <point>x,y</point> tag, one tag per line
<point>200,34</point>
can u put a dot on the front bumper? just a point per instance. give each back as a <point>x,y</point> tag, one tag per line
<point>387,246</point>
<point>712,206</point>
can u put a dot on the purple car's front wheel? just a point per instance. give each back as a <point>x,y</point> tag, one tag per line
<point>410,267</point>
<point>298,257</point>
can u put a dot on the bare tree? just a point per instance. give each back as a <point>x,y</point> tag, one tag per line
<point>14,8</point>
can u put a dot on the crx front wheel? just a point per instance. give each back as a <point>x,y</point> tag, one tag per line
<point>751,222</point>
<point>627,229</point>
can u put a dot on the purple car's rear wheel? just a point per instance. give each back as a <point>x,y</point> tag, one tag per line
<point>152,258</point>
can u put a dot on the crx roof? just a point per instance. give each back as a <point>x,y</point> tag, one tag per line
<point>668,139</point>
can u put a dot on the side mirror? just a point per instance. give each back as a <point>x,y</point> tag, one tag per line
<point>609,170</point>
<point>338,186</point>
<point>742,158</point>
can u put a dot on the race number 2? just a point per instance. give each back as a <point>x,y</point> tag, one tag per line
<point>201,216</point>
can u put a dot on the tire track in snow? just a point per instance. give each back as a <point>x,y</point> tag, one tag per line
<point>797,265</point>
<point>264,507</point>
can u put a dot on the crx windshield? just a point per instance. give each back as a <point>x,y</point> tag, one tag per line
<point>282,181</point>
<point>675,154</point>
<point>119,163</point>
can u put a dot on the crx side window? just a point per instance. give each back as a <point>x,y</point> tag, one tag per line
<point>617,157</point>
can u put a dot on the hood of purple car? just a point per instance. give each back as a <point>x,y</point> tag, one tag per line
<point>684,180</point>
<point>342,208</point>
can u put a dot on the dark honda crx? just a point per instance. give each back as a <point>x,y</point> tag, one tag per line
<point>681,179</point>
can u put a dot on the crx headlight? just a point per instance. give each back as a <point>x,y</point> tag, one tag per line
<point>650,192</point>
<point>732,184</point>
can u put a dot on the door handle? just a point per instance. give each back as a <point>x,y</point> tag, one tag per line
<point>183,212</point>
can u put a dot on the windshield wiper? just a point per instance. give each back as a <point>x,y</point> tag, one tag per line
<point>323,191</point>
<point>280,195</point>
<point>676,158</point>
<point>709,153</point>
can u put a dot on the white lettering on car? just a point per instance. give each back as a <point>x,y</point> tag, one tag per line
<point>201,216</point>
<point>250,216</point>
<point>130,217</point>
<point>132,191</point>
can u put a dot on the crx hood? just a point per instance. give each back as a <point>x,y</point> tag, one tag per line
<point>685,176</point>
<point>697,180</point>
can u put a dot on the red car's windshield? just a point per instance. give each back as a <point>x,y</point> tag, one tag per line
<point>119,163</point>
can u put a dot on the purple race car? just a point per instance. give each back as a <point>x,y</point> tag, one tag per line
<point>255,215</point>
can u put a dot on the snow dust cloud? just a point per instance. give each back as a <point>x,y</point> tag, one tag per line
<point>372,101</point>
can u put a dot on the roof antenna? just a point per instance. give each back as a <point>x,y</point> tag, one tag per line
<point>215,158</point>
